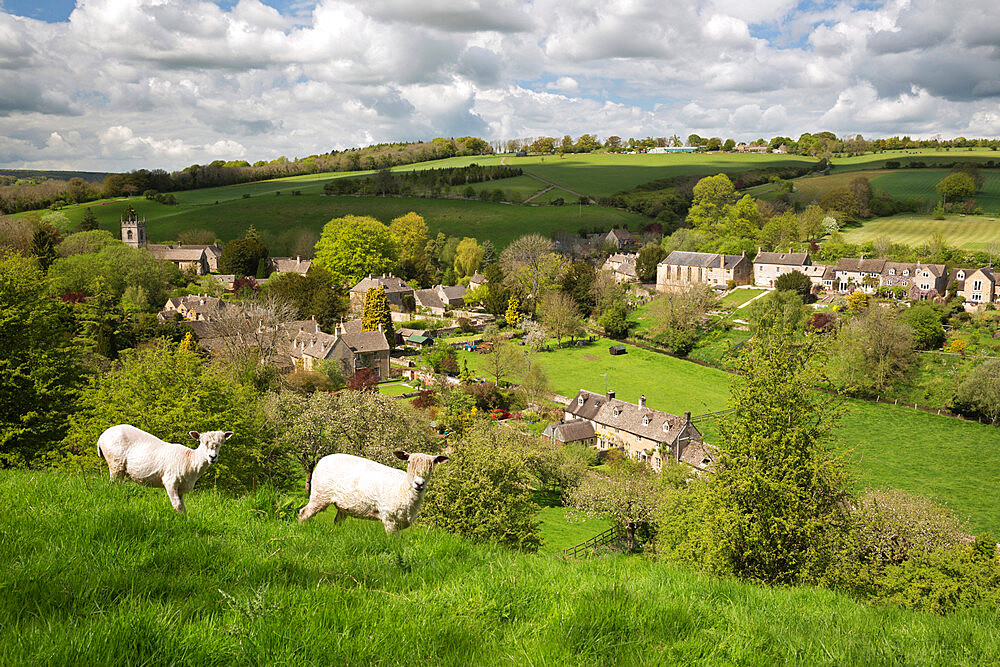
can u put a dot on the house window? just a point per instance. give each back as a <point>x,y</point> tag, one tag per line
<point>579,401</point>
<point>617,412</point>
<point>892,272</point>
<point>924,286</point>
<point>906,272</point>
<point>977,285</point>
<point>645,420</point>
<point>960,275</point>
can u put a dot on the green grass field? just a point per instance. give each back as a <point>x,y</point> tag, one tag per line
<point>930,156</point>
<point>972,232</point>
<point>949,460</point>
<point>282,219</point>
<point>102,574</point>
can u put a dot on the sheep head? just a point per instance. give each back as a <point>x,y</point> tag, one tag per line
<point>419,467</point>
<point>211,441</point>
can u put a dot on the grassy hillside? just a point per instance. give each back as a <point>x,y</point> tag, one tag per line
<point>972,232</point>
<point>949,460</point>
<point>94,573</point>
<point>930,156</point>
<point>281,218</point>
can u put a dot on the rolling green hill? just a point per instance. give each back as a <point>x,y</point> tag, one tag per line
<point>99,573</point>
<point>972,232</point>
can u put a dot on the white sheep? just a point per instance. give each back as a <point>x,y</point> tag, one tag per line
<point>147,460</point>
<point>365,489</point>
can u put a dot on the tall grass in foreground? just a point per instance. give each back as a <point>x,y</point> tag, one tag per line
<point>92,573</point>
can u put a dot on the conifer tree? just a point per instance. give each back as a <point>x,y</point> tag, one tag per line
<point>376,312</point>
<point>89,222</point>
<point>513,314</point>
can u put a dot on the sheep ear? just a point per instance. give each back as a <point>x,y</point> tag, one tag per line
<point>440,459</point>
<point>401,455</point>
<point>228,434</point>
<point>195,435</point>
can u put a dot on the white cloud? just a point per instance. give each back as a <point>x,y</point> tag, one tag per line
<point>148,83</point>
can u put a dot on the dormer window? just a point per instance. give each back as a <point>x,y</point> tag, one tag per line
<point>906,272</point>
<point>961,275</point>
<point>617,412</point>
<point>892,272</point>
<point>579,401</point>
<point>645,420</point>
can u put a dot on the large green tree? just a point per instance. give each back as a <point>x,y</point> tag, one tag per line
<point>376,312</point>
<point>38,363</point>
<point>712,196</point>
<point>242,257</point>
<point>871,352</point>
<point>353,247</point>
<point>410,235</point>
<point>649,257</point>
<point>958,185</point>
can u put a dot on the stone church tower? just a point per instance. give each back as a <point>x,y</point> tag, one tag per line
<point>133,229</point>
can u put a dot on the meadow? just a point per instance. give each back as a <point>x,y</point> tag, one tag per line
<point>949,460</point>
<point>972,232</point>
<point>95,573</point>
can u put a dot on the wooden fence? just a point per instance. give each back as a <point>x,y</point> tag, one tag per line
<point>596,542</point>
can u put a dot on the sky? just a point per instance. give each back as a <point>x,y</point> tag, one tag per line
<point>113,85</point>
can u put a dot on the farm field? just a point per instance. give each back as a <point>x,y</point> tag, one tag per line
<point>928,156</point>
<point>281,220</point>
<point>600,174</point>
<point>971,232</point>
<point>99,573</point>
<point>949,460</point>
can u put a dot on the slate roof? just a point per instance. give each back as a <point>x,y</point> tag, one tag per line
<point>570,431</point>
<point>782,258</point>
<point>290,265</point>
<point>478,279</point>
<point>620,234</point>
<point>366,341</point>
<point>854,265</point>
<point>661,426</point>
<point>391,284</point>
<point>428,298</point>
<point>173,253</point>
<point>441,296</point>
<point>704,259</point>
<point>455,294</point>
<point>936,270</point>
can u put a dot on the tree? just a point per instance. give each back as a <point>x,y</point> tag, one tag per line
<point>958,185</point>
<point>614,319</point>
<point>311,296</point>
<point>857,301</point>
<point>468,257</point>
<point>364,380</point>
<point>43,247</point>
<point>249,336</point>
<point>39,366</point>
<point>841,200</point>
<point>353,247</point>
<point>979,395</point>
<point>85,243</point>
<point>649,257</point>
<point>774,509</point>
<point>376,313</point>
<point>560,316</point>
<point>627,495</point>
<point>89,221</point>
<point>503,361</point>
<point>871,352</point>
<point>241,257</point>
<point>531,264</point>
<point>712,195</point>
<point>168,391</point>
<point>112,269</point>
<point>513,314</point>
<point>811,223</point>
<point>535,383</point>
<point>794,281</point>
<point>783,306</point>
<point>677,316</point>
<point>482,493</point>
<point>409,232</point>
<point>578,282</point>
<point>928,332</point>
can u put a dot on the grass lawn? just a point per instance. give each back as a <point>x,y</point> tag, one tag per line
<point>943,458</point>
<point>99,573</point>
<point>395,388</point>
<point>738,297</point>
<point>558,530</point>
<point>282,220</point>
<point>971,232</point>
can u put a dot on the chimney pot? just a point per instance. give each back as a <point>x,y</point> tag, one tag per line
<point>642,401</point>
<point>611,394</point>
<point>687,417</point>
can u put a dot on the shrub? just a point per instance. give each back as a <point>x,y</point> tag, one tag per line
<point>678,341</point>
<point>364,379</point>
<point>891,526</point>
<point>942,581</point>
<point>482,492</point>
<point>464,324</point>
<point>427,398</point>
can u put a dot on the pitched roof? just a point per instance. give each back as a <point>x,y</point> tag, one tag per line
<point>366,341</point>
<point>782,258</point>
<point>290,265</point>
<point>936,270</point>
<point>704,259</point>
<point>454,293</point>
<point>389,283</point>
<point>176,254</point>
<point>428,298</point>
<point>478,279</point>
<point>570,431</point>
<point>860,265</point>
<point>620,234</point>
<point>644,422</point>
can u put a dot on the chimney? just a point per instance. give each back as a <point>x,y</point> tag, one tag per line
<point>687,417</point>
<point>611,395</point>
<point>381,329</point>
<point>298,259</point>
<point>642,401</point>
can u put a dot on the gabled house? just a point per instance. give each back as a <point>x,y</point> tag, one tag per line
<point>440,298</point>
<point>769,266</point>
<point>289,265</point>
<point>863,274</point>
<point>680,269</point>
<point>306,345</point>
<point>619,238</point>
<point>978,286</point>
<point>183,257</point>
<point>193,308</point>
<point>477,280</point>
<point>648,435</point>
<point>921,281</point>
<point>622,267</point>
<point>575,431</point>
<point>397,292</point>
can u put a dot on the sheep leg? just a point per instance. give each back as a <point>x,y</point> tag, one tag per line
<point>176,499</point>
